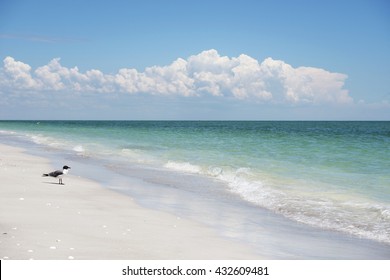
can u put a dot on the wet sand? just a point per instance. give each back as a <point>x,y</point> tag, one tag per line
<point>40,219</point>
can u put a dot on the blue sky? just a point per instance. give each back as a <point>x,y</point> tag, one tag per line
<point>260,59</point>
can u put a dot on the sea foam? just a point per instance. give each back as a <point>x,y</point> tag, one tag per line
<point>79,149</point>
<point>183,166</point>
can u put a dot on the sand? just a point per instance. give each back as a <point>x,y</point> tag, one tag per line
<point>40,219</point>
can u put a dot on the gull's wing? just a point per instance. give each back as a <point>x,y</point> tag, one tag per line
<point>56,173</point>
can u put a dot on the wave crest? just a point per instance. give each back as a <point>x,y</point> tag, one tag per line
<point>183,166</point>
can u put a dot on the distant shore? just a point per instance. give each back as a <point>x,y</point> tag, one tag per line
<point>40,219</point>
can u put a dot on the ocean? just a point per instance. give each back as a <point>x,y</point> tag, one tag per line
<point>327,177</point>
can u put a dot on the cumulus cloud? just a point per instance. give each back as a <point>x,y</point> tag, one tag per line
<point>17,75</point>
<point>206,73</point>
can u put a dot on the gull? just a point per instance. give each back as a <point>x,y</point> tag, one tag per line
<point>58,174</point>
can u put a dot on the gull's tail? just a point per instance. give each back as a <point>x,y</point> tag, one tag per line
<point>45,175</point>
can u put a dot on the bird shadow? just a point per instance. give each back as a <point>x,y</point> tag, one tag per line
<point>52,183</point>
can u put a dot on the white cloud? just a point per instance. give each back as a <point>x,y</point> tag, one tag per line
<point>51,75</point>
<point>17,74</point>
<point>206,73</point>
<point>306,84</point>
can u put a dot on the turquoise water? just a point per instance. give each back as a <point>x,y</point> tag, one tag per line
<point>328,175</point>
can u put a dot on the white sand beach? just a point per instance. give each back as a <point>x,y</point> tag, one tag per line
<point>40,219</point>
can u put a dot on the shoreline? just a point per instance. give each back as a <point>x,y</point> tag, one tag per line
<point>40,219</point>
<point>93,216</point>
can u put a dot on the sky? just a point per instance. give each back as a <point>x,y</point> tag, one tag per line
<point>195,60</point>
